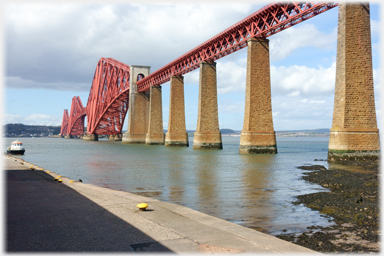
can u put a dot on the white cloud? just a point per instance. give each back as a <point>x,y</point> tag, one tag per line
<point>231,76</point>
<point>298,113</point>
<point>11,119</point>
<point>317,101</point>
<point>312,101</point>
<point>303,81</point>
<point>377,78</point>
<point>228,106</point>
<point>285,42</point>
<point>62,42</point>
<point>294,94</point>
<point>375,28</point>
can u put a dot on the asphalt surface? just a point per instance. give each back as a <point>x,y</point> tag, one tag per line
<point>44,215</point>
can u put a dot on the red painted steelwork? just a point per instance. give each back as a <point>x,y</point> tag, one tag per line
<point>265,22</point>
<point>64,123</point>
<point>76,118</point>
<point>107,103</point>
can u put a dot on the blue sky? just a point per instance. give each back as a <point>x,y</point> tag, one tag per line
<point>51,52</point>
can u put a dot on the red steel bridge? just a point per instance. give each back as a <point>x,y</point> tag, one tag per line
<point>107,103</point>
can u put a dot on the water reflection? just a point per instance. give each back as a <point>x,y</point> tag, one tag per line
<point>174,166</point>
<point>99,167</point>
<point>257,174</point>
<point>350,168</point>
<point>207,180</point>
<point>97,173</point>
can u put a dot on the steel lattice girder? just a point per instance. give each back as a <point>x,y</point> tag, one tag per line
<point>76,118</point>
<point>64,123</point>
<point>108,98</point>
<point>265,22</point>
<point>111,121</point>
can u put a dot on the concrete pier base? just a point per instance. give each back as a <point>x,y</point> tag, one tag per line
<point>258,135</point>
<point>354,135</point>
<point>353,155</point>
<point>258,143</point>
<point>207,135</point>
<point>176,140</point>
<point>361,146</point>
<point>91,137</point>
<point>129,138</point>
<point>176,135</point>
<point>207,140</point>
<point>115,137</point>
<point>155,135</point>
<point>154,139</point>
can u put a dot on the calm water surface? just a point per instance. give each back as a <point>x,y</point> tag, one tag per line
<point>255,191</point>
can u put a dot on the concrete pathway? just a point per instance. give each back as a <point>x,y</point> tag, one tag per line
<point>45,215</point>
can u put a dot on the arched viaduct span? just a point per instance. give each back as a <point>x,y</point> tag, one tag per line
<point>117,87</point>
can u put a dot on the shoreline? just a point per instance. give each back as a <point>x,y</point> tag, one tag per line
<point>352,202</point>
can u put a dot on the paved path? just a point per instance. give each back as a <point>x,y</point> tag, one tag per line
<point>45,215</point>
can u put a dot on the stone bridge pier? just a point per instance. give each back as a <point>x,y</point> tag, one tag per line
<point>176,135</point>
<point>354,134</point>
<point>207,135</point>
<point>258,135</point>
<point>155,134</point>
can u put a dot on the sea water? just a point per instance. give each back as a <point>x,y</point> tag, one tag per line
<point>255,191</point>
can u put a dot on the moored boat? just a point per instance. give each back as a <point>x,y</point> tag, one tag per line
<point>16,148</point>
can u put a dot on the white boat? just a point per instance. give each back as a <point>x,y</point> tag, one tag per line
<point>16,148</point>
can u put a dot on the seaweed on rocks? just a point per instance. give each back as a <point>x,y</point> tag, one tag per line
<point>353,204</point>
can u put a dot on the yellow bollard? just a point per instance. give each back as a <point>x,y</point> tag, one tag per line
<point>142,206</point>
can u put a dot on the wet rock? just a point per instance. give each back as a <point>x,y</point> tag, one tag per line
<point>352,203</point>
<point>312,167</point>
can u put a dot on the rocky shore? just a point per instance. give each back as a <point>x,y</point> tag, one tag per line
<point>352,202</point>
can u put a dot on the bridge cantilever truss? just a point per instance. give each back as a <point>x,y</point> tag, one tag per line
<point>64,124</point>
<point>108,98</point>
<point>76,118</point>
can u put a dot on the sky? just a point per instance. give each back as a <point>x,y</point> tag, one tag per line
<point>50,53</point>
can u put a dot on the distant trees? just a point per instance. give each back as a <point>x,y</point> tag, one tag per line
<point>30,130</point>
